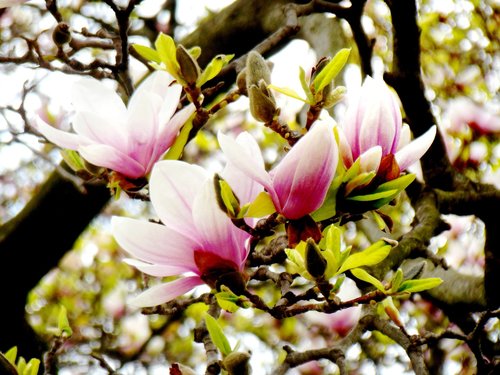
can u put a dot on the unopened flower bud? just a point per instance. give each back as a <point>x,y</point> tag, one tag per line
<point>315,262</point>
<point>237,363</point>
<point>257,69</point>
<point>61,34</point>
<point>241,81</point>
<point>189,67</point>
<point>262,106</point>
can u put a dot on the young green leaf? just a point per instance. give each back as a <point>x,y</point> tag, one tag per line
<point>399,183</point>
<point>6,365</point>
<point>260,207</point>
<point>368,257</point>
<point>396,280</point>
<point>175,151</point>
<point>231,202</point>
<point>373,196</point>
<point>32,367</point>
<point>362,179</point>
<point>305,85</point>
<point>419,285</point>
<point>330,71</point>
<point>289,92</point>
<point>165,46</point>
<point>213,68</point>
<point>217,335</point>
<point>365,276</point>
<point>63,323</point>
<point>148,53</point>
<point>11,355</point>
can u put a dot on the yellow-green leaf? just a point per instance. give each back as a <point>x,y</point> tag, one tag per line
<point>368,257</point>
<point>399,183</point>
<point>32,367</point>
<point>289,92</point>
<point>175,151</point>
<point>419,285</point>
<point>217,335</point>
<point>213,68</point>
<point>165,46</point>
<point>365,276</point>
<point>330,71</point>
<point>305,85</point>
<point>374,196</point>
<point>260,207</point>
<point>63,323</point>
<point>148,53</point>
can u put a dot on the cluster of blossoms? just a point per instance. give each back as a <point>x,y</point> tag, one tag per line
<point>196,239</point>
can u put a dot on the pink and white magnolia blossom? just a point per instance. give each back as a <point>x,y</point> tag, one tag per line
<point>463,113</point>
<point>197,240</point>
<point>130,139</point>
<point>373,129</point>
<point>298,184</point>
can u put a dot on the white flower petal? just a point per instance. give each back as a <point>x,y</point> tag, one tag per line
<point>370,159</point>
<point>158,270</point>
<point>412,152</point>
<point>60,138</point>
<point>162,293</point>
<point>90,95</point>
<point>173,188</point>
<point>100,130</point>
<point>247,163</point>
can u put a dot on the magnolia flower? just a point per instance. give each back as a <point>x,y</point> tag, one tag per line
<point>373,128</point>
<point>197,240</point>
<point>127,140</point>
<point>463,112</point>
<point>300,181</point>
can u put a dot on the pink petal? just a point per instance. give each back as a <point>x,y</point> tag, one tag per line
<point>218,233</point>
<point>412,152</point>
<point>155,243</point>
<point>303,177</point>
<point>58,137</point>
<point>90,95</point>
<point>162,293</point>
<point>173,188</point>
<point>345,149</point>
<point>109,157</point>
<point>168,133</point>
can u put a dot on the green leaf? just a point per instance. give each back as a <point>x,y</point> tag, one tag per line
<point>329,206</point>
<point>73,159</point>
<point>419,285</point>
<point>11,355</point>
<point>368,257</point>
<point>378,220</point>
<point>334,97</point>
<point>148,53</point>
<point>21,365</point>
<point>231,302</point>
<point>63,323</point>
<point>32,367</point>
<point>365,276</point>
<point>330,71</point>
<point>213,68</point>
<point>305,85</point>
<point>260,207</point>
<point>165,46</point>
<point>399,183</point>
<point>396,280</point>
<point>289,92</point>
<point>217,335</point>
<point>195,52</point>
<point>362,179</point>
<point>374,196</point>
<point>175,151</point>
<point>230,201</point>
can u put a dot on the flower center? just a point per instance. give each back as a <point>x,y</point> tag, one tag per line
<point>217,271</point>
